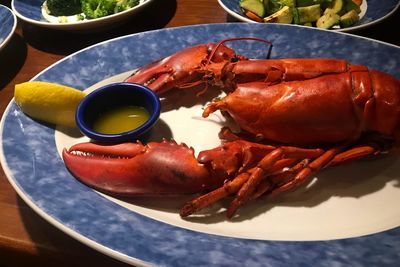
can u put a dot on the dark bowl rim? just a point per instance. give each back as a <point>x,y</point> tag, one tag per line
<point>128,135</point>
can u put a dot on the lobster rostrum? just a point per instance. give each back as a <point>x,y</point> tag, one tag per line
<point>298,116</point>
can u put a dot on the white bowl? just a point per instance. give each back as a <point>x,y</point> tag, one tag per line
<point>31,12</point>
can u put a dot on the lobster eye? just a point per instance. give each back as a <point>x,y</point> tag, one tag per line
<point>234,59</point>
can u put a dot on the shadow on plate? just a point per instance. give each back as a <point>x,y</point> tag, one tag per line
<point>12,58</point>
<point>354,180</point>
<point>188,97</point>
<point>67,42</point>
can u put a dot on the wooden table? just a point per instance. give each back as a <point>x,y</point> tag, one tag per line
<point>25,238</point>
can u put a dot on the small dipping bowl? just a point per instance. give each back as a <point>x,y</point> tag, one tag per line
<point>113,96</point>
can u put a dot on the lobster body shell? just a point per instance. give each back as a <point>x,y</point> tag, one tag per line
<point>330,108</point>
<point>296,101</point>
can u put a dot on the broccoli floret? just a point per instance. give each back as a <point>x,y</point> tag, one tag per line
<point>64,7</point>
<point>125,4</point>
<point>98,8</point>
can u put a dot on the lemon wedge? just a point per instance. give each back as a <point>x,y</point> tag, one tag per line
<point>49,102</point>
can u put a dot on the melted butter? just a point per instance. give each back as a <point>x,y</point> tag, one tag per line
<point>121,119</point>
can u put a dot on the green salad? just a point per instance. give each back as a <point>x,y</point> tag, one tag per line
<point>326,14</point>
<point>85,9</point>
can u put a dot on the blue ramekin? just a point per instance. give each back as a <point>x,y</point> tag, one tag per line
<point>115,95</point>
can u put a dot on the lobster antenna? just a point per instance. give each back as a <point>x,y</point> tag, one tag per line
<point>239,39</point>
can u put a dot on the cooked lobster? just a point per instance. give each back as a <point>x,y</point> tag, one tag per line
<point>297,115</point>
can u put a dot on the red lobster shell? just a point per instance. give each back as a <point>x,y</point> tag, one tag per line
<point>342,111</point>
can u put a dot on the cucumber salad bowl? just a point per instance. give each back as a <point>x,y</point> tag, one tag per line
<point>325,14</point>
<point>337,15</point>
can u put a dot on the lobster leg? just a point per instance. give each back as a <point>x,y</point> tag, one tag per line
<point>279,178</point>
<point>293,177</point>
<point>246,182</point>
<point>353,154</point>
<point>263,178</point>
<point>309,170</point>
<point>255,178</point>
<point>229,188</point>
<point>371,144</point>
<point>263,169</point>
<point>203,201</point>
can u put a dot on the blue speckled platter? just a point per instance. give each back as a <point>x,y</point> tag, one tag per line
<point>32,163</point>
<point>8,23</point>
<point>377,10</point>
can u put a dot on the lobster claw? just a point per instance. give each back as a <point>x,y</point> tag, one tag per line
<point>185,68</point>
<point>166,167</point>
<point>135,169</point>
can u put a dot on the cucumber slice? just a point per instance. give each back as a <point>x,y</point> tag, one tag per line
<point>254,6</point>
<point>337,6</point>
<point>282,16</point>
<point>296,18</point>
<point>273,6</point>
<point>328,20</point>
<point>349,18</point>
<point>309,13</point>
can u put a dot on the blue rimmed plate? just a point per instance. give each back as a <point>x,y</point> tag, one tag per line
<point>372,11</point>
<point>30,11</point>
<point>345,216</point>
<point>8,23</point>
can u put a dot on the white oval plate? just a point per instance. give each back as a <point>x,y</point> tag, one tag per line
<point>346,216</point>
